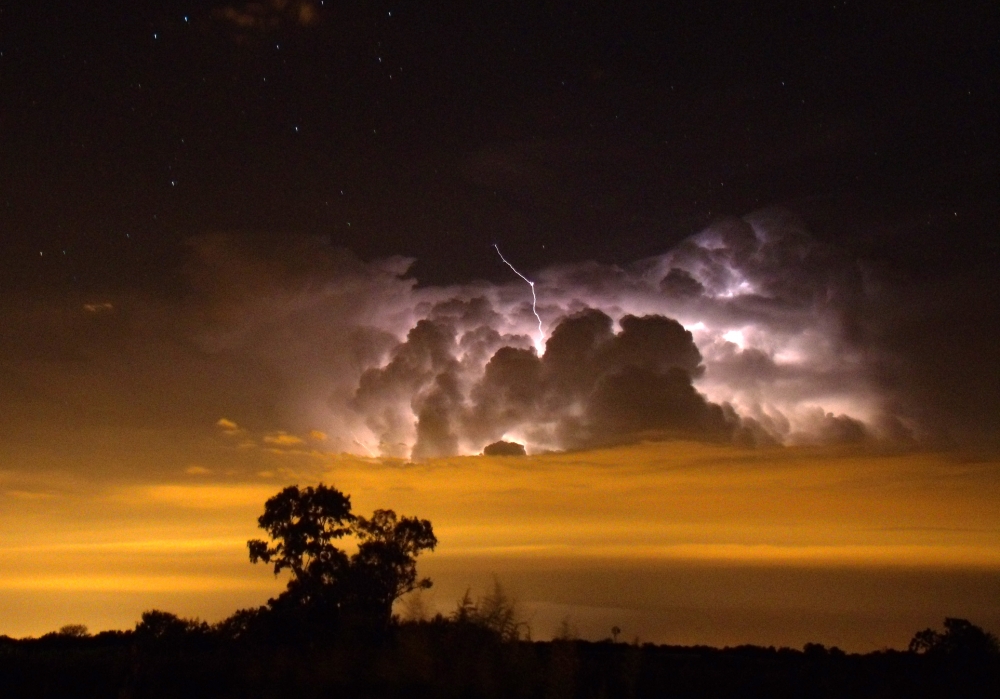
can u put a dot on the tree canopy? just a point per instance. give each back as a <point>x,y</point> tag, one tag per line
<point>961,638</point>
<point>304,525</point>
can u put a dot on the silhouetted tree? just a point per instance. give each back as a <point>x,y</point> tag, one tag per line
<point>385,566</point>
<point>960,639</point>
<point>166,628</point>
<point>241,624</point>
<point>303,525</point>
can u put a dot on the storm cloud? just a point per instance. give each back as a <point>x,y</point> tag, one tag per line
<point>751,331</point>
<point>591,386</point>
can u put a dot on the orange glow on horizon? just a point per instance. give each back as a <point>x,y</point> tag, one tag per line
<point>677,503</point>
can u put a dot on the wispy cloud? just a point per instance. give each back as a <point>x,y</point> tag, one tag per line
<point>283,439</point>
<point>228,426</point>
<point>269,15</point>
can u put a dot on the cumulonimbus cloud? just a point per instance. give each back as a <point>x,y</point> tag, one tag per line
<point>747,331</point>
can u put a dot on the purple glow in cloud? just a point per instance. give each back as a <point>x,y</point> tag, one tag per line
<point>745,332</point>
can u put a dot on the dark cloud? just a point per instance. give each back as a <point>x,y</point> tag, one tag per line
<point>436,429</point>
<point>597,387</point>
<point>507,393</point>
<point>504,449</point>
<point>827,428</point>
<point>635,400</point>
<point>591,386</point>
<point>680,283</point>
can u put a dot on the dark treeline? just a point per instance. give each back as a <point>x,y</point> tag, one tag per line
<point>446,657</point>
<point>332,633</point>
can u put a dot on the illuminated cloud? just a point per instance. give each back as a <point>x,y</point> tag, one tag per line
<point>228,426</point>
<point>750,331</point>
<point>283,439</point>
<point>593,386</point>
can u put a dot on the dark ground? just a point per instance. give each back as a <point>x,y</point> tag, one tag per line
<point>445,659</point>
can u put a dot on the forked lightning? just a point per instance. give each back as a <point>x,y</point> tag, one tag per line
<point>534,298</point>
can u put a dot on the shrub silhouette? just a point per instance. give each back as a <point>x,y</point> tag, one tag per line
<point>496,612</point>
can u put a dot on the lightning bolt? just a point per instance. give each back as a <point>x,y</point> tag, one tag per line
<point>534,300</point>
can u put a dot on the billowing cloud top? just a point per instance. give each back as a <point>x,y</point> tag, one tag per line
<point>750,331</point>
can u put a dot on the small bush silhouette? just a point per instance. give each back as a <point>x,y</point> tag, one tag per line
<point>497,612</point>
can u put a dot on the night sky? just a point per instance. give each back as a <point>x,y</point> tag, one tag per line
<point>243,244</point>
<point>565,131</point>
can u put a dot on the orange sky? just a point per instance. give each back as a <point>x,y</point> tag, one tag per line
<point>803,528</point>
